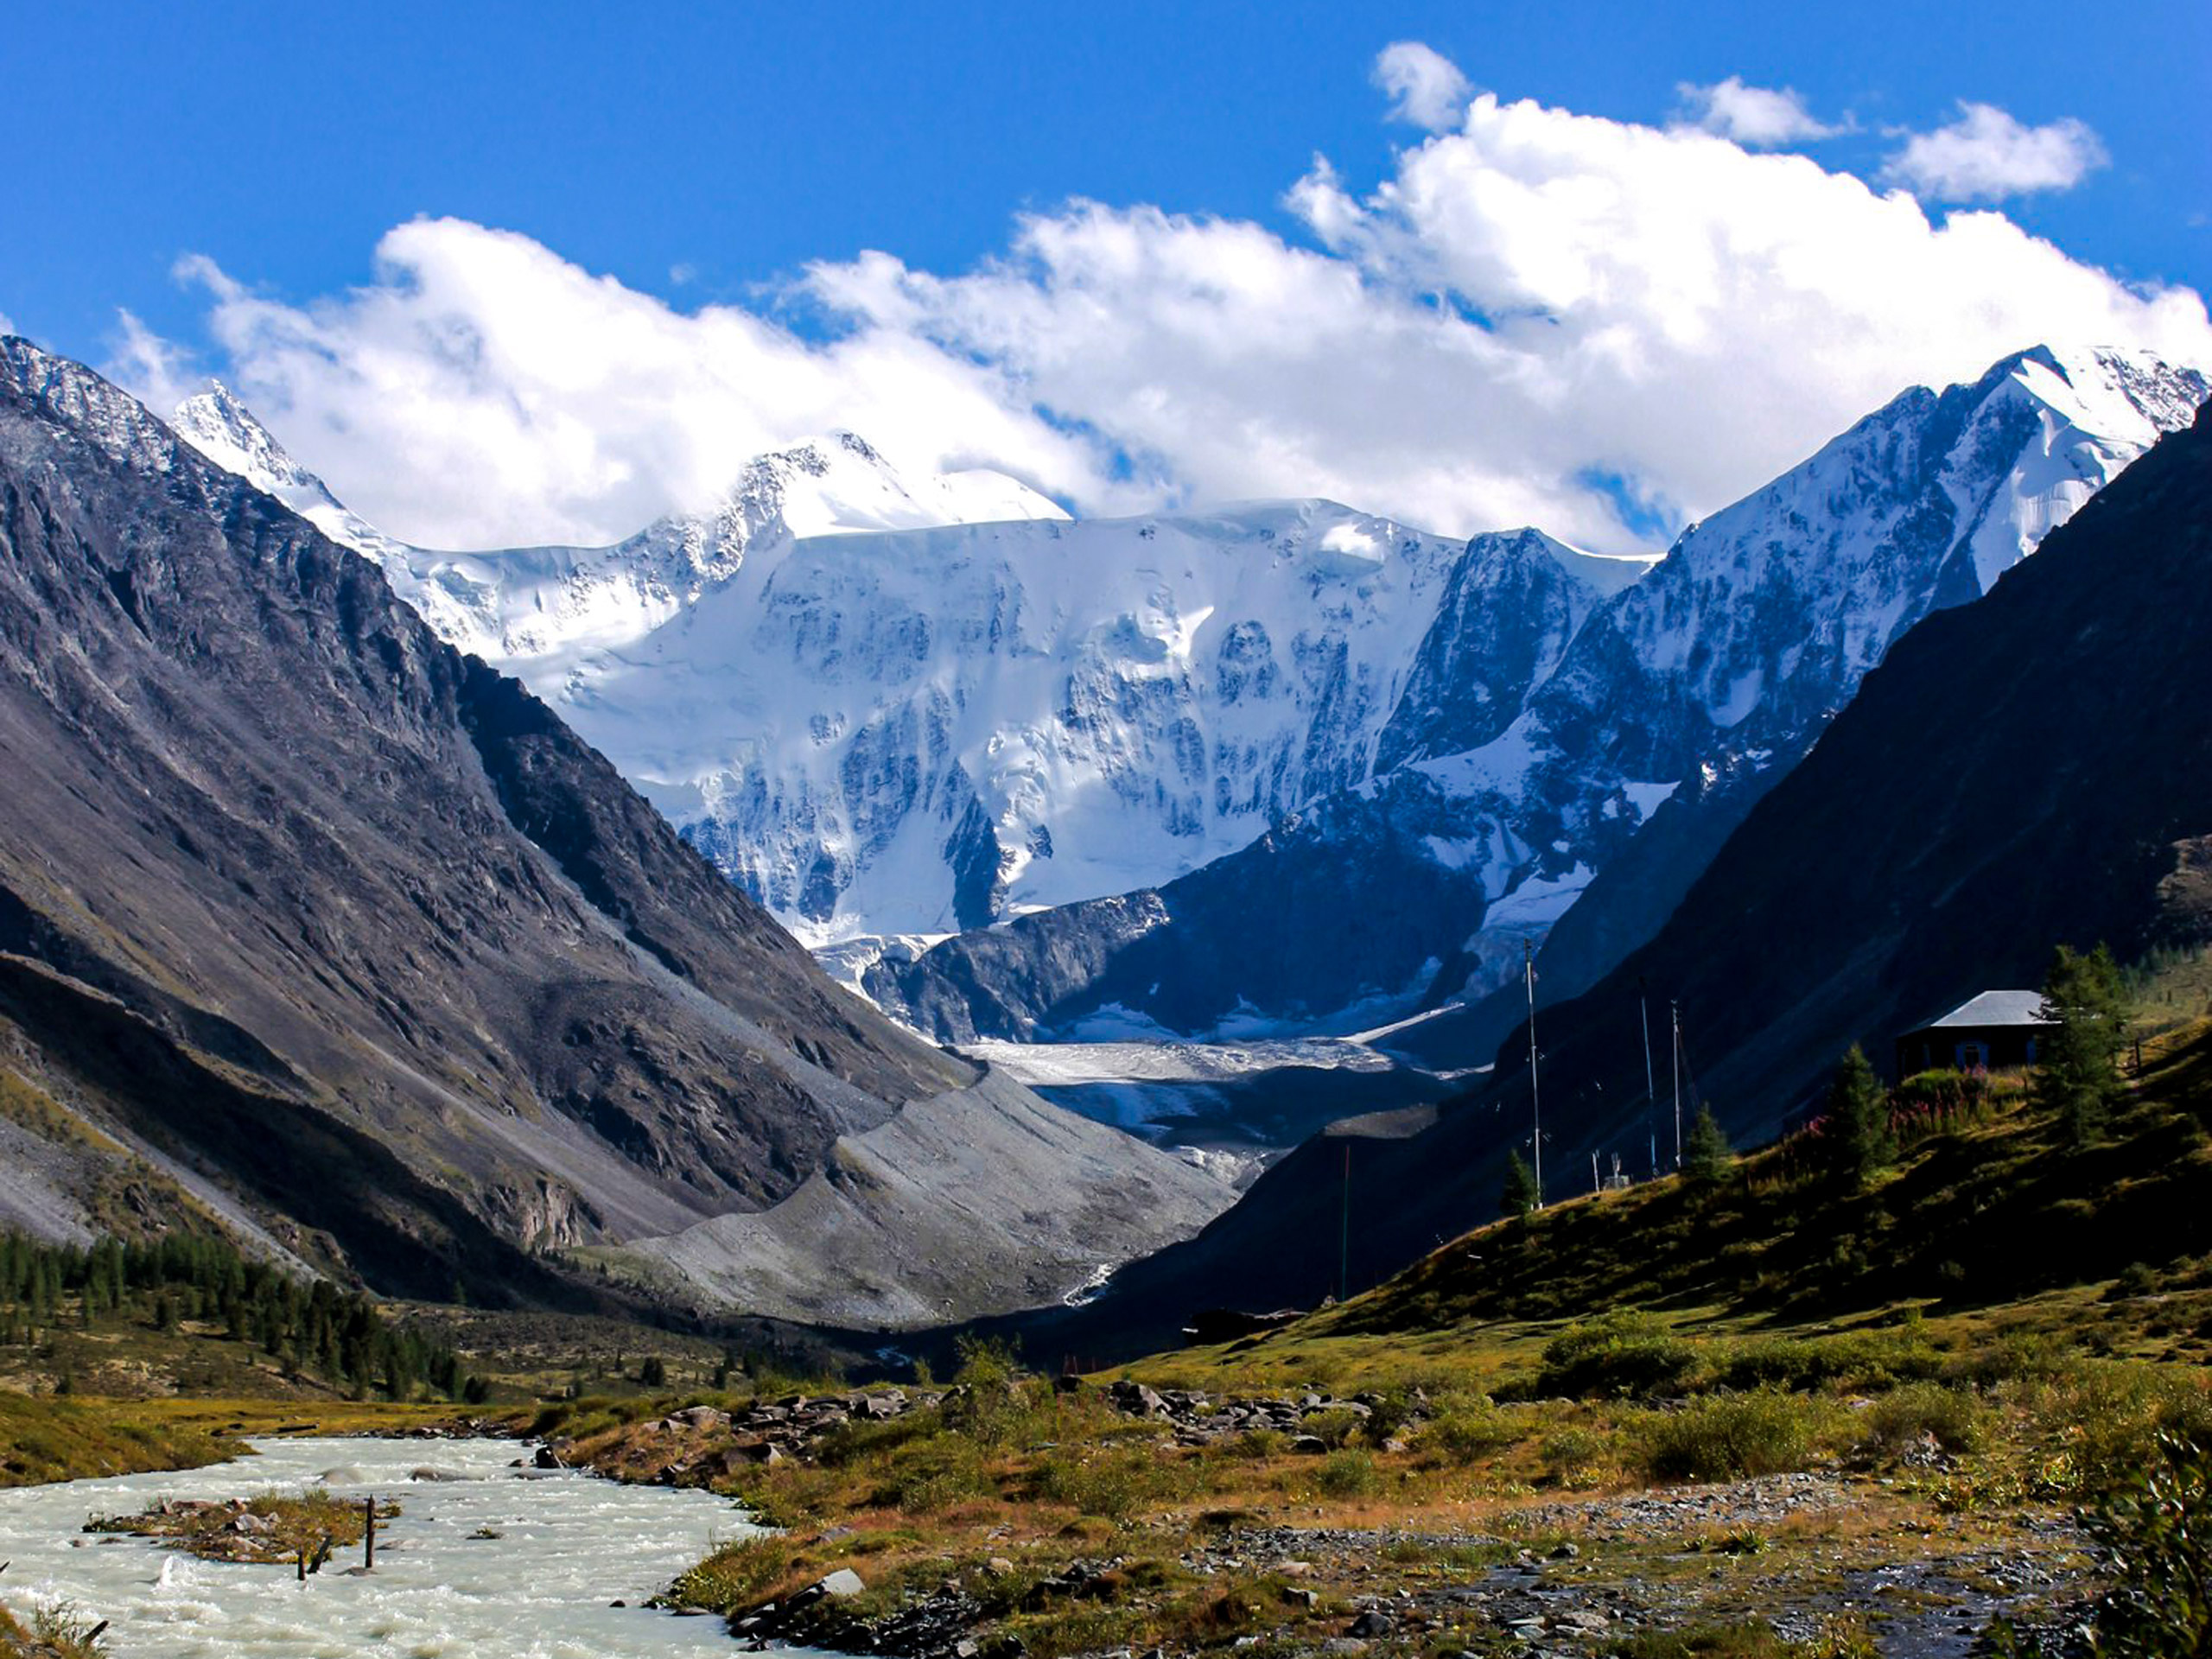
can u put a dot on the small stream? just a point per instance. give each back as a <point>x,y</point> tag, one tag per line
<point>569,1545</point>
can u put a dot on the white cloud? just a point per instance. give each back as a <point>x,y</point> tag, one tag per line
<point>1986,156</point>
<point>483,392</point>
<point>1535,298</point>
<point>1759,117</point>
<point>7,325</point>
<point>1532,297</point>
<point>1426,88</point>
<point>150,367</point>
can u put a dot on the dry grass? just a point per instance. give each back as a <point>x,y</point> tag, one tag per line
<point>55,1631</point>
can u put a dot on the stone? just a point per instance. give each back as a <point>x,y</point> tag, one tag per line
<point>843,1583</point>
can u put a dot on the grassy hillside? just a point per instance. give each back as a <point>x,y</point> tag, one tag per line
<point>1904,1391</point>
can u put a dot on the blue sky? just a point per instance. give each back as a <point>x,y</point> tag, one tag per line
<point>706,157</point>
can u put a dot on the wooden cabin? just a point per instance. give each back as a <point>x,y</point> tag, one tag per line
<point>1993,1030</point>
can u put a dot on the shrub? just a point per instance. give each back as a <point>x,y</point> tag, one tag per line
<point>736,1575</point>
<point>1624,1355</point>
<point>1575,1457</point>
<point>2015,1356</point>
<point>1261,1443</point>
<point>2103,1421</point>
<point>1959,1421</point>
<point>1333,1428</point>
<point>1727,1436</point>
<point>1395,1409</point>
<point>985,1361</point>
<point>1346,1474</point>
<point>1935,1098</point>
<point>2158,1532</point>
<point>1112,1485</point>
<point>2136,1278</point>
<point>1462,1432</point>
<point>1871,1359</point>
<point>1751,1639</point>
<point>925,1477</point>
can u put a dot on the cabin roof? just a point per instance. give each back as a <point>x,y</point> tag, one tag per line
<point>1995,1009</point>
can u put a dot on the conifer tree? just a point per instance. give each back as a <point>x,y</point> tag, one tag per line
<point>1519,1198</point>
<point>2077,1081</point>
<point>1706,1152</point>
<point>1859,1140</point>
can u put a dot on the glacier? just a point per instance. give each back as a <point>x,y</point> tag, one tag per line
<point>1010,770</point>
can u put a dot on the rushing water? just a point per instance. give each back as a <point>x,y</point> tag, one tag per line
<point>569,1545</point>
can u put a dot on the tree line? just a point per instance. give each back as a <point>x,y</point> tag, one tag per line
<point>2076,1084</point>
<point>311,1327</point>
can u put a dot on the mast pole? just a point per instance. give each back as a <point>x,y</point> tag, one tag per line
<point>1675,1009</point>
<point>1535,1104</point>
<point>1343,1258</point>
<point>1650,1088</point>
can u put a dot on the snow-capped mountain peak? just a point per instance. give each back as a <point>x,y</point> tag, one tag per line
<point>842,485</point>
<point>534,604</point>
<point>892,705</point>
<point>227,433</point>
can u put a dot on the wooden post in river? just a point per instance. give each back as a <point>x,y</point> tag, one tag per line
<point>369,1533</point>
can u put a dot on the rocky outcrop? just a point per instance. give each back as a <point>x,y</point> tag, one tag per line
<point>354,936</point>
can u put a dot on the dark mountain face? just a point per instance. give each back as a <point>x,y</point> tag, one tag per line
<point>345,930</point>
<point>1338,906</point>
<point>2032,768</point>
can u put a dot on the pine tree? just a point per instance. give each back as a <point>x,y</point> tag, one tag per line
<point>1520,1196</point>
<point>2078,1079</point>
<point>1858,1138</point>
<point>1706,1152</point>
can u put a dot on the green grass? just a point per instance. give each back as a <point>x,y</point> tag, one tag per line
<point>43,1438</point>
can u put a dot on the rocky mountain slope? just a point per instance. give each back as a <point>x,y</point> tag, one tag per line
<point>2032,768</point>
<point>917,729</point>
<point>348,935</point>
<point>1282,767</point>
<point>1583,784</point>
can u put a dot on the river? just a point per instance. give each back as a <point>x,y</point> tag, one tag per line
<point>569,1545</point>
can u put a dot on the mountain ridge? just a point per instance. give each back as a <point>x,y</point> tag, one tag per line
<point>2031,769</point>
<point>941,753</point>
<point>299,842</point>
